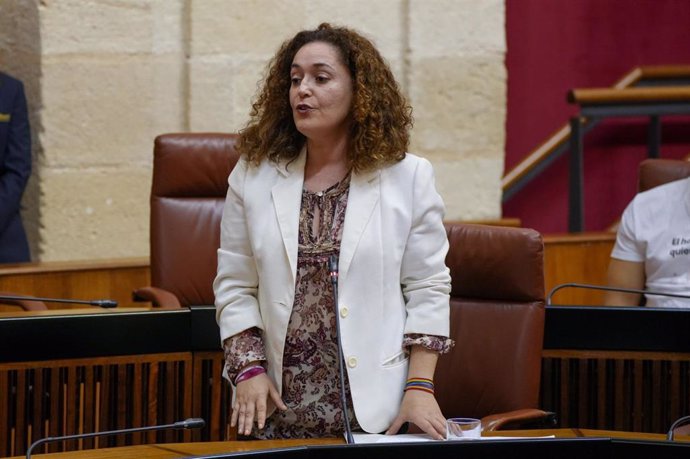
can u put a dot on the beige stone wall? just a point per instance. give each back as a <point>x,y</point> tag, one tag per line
<point>458,91</point>
<point>106,76</point>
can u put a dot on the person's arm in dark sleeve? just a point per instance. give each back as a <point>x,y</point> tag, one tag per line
<point>16,167</point>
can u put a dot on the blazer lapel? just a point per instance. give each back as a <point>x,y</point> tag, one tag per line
<point>287,195</point>
<point>363,196</point>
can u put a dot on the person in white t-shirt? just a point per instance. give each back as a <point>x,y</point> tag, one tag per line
<point>652,249</point>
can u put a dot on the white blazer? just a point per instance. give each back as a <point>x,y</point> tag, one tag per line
<point>393,278</point>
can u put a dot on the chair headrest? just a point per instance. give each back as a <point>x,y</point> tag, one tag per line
<point>193,164</point>
<point>655,172</point>
<point>495,262</point>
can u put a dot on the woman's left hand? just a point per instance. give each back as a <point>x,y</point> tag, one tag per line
<point>421,409</point>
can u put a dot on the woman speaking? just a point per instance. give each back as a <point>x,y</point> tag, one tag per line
<point>324,171</point>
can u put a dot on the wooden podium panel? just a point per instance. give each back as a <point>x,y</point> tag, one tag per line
<point>79,372</point>
<point>212,397</point>
<point>616,368</point>
<point>94,394</point>
<point>93,370</point>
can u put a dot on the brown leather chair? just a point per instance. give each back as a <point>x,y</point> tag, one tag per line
<point>190,180</point>
<point>497,322</point>
<point>655,172</point>
<point>497,300</point>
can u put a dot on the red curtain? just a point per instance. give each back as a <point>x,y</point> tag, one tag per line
<point>557,45</point>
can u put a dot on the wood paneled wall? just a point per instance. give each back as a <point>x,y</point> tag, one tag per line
<point>89,280</point>
<point>581,258</point>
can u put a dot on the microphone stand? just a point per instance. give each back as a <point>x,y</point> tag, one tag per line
<point>611,289</point>
<point>191,423</point>
<point>99,303</point>
<point>333,274</point>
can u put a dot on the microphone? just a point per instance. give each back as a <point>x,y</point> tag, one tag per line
<point>677,423</point>
<point>333,275</point>
<point>190,423</point>
<point>22,299</point>
<point>611,289</point>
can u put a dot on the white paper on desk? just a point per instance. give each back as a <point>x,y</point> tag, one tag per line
<point>516,438</point>
<point>361,438</point>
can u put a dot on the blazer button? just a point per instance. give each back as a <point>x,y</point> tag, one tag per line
<point>344,311</point>
<point>352,362</point>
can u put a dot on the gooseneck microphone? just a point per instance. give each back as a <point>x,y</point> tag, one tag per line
<point>190,423</point>
<point>677,423</point>
<point>333,275</point>
<point>611,289</point>
<point>21,298</point>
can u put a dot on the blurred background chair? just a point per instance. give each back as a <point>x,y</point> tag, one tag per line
<point>497,322</point>
<point>655,172</point>
<point>190,180</point>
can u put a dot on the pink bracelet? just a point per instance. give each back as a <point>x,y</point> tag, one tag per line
<point>249,373</point>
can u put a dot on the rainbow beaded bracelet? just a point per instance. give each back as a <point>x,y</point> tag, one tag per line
<point>423,384</point>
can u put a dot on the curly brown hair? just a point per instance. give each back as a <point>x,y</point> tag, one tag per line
<point>381,117</point>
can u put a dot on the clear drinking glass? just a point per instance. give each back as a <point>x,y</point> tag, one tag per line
<point>463,428</point>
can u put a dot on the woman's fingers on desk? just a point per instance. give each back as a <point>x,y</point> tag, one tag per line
<point>252,403</point>
<point>422,410</point>
<point>251,399</point>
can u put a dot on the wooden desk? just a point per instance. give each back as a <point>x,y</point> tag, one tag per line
<point>182,450</point>
<point>96,370</point>
<point>19,313</point>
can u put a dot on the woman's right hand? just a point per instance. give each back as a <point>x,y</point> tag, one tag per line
<point>255,398</point>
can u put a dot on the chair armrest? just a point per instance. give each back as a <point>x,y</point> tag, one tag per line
<point>519,419</point>
<point>157,296</point>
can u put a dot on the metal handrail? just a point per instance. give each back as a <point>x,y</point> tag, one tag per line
<point>557,144</point>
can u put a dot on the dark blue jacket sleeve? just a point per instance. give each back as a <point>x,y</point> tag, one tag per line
<point>16,164</point>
